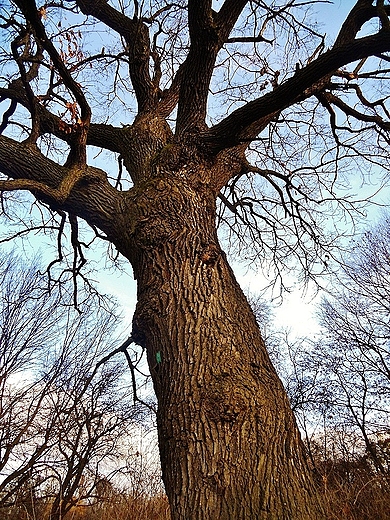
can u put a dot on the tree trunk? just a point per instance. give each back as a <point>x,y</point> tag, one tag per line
<point>230,448</point>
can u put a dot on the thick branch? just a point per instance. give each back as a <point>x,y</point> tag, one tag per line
<point>303,84</point>
<point>199,19</point>
<point>136,35</point>
<point>198,67</point>
<point>58,195</point>
<point>224,22</point>
<point>86,193</point>
<point>227,16</point>
<point>170,96</point>
<point>208,33</point>
<point>362,12</point>
<point>248,39</point>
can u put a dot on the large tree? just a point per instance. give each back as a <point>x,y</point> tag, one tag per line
<point>233,111</point>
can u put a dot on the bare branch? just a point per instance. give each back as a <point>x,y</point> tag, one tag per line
<point>306,82</point>
<point>208,33</point>
<point>350,111</point>
<point>78,153</point>
<point>136,36</point>
<point>102,135</point>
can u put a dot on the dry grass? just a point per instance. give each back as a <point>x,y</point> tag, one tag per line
<point>355,491</point>
<point>350,493</point>
<point>119,506</point>
<point>122,507</point>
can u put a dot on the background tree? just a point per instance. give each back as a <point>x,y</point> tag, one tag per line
<point>244,103</point>
<point>337,390</point>
<point>355,350</point>
<point>338,384</point>
<point>63,413</point>
<point>338,381</point>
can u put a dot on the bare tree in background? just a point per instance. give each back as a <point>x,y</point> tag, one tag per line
<point>63,413</point>
<point>355,351</point>
<point>236,111</point>
<point>338,381</point>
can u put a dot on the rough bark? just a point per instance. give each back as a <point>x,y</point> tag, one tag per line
<point>230,448</point>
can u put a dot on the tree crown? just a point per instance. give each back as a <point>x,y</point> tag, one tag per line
<point>252,90</point>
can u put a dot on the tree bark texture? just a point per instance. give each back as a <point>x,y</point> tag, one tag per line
<point>230,447</point>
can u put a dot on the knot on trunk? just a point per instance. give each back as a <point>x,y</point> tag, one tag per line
<point>210,255</point>
<point>224,400</point>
